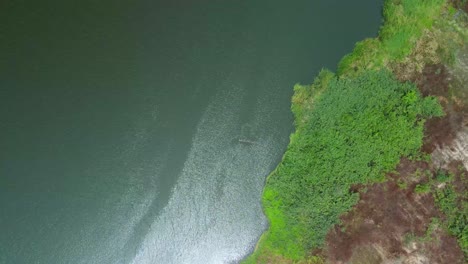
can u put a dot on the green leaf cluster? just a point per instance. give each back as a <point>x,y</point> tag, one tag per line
<point>422,188</point>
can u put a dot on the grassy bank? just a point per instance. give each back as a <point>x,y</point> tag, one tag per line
<point>351,128</point>
<point>405,21</point>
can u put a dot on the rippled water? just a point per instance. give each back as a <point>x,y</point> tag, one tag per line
<point>142,131</point>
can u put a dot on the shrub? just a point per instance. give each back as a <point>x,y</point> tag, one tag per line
<point>422,188</point>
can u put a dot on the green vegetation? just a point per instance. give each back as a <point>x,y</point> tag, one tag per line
<point>402,185</point>
<point>454,205</point>
<point>422,188</point>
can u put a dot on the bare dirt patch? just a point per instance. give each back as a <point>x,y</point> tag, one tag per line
<point>434,81</point>
<point>388,215</point>
<point>460,4</point>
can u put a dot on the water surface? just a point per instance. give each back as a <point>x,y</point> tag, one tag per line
<point>142,131</point>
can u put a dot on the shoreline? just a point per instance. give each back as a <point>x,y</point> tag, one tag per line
<point>391,50</point>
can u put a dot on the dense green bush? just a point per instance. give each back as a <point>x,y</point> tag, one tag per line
<point>348,131</point>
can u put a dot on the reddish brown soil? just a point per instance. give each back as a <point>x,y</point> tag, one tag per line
<point>442,131</point>
<point>434,81</point>
<point>460,5</point>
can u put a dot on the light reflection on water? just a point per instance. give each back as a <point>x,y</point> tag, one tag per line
<point>216,199</point>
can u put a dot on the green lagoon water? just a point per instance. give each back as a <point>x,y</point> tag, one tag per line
<point>142,131</point>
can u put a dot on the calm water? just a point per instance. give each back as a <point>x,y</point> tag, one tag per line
<point>142,131</point>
